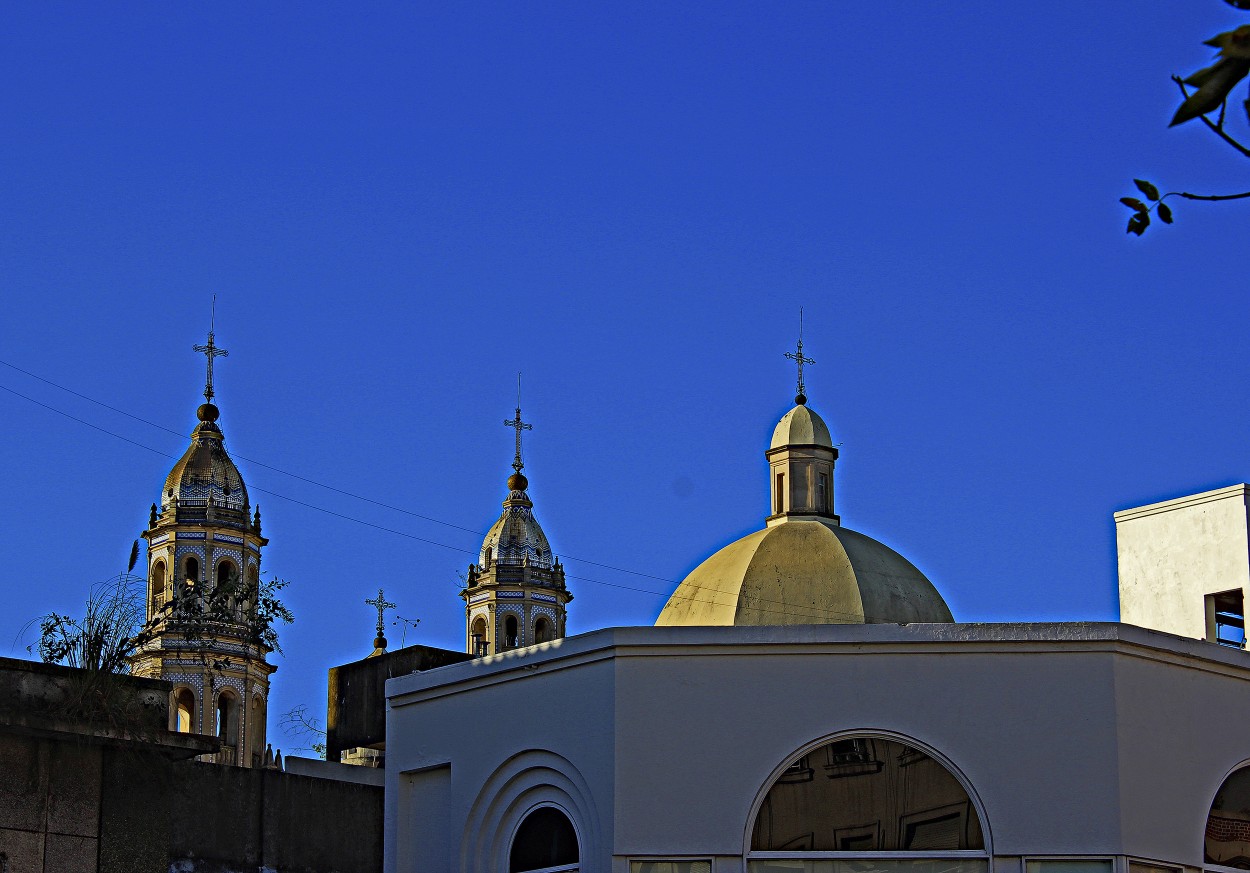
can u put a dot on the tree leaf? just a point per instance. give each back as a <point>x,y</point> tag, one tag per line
<point>1217,81</point>
<point>1146,188</point>
<point>1138,223</point>
<point>1165,213</point>
<point>1134,204</point>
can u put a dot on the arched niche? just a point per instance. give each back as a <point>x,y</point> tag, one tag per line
<point>183,716</point>
<point>545,840</point>
<point>866,796</point>
<point>1227,838</point>
<point>542,630</point>
<point>158,577</point>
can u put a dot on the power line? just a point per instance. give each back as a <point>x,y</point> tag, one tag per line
<point>788,611</point>
<point>301,478</point>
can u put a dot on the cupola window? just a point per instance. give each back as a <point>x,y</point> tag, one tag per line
<point>542,630</point>
<point>193,571</point>
<point>510,639</point>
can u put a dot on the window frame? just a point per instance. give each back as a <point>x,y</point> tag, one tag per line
<point>985,854</point>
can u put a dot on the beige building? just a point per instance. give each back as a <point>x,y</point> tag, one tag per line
<point>1185,565</point>
<point>807,704</point>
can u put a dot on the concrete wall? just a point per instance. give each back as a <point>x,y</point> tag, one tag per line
<point>237,820</point>
<point>111,791</point>
<point>1072,739</point>
<point>1172,554</point>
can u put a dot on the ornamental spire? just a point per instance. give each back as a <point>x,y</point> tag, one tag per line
<point>210,351</point>
<point>799,358</point>
<point>519,425</point>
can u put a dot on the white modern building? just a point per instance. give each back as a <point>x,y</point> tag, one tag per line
<point>807,704</point>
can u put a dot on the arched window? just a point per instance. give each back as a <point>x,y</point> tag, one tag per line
<point>228,726</point>
<point>480,646</point>
<point>256,731</point>
<point>544,841</point>
<point>858,797</point>
<point>510,640</point>
<point>159,594</point>
<point>227,574</point>
<point>1228,824</point>
<point>192,574</point>
<point>184,711</point>
<point>542,630</point>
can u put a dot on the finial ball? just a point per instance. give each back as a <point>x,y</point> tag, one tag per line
<point>800,399</point>
<point>207,412</point>
<point>518,482</point>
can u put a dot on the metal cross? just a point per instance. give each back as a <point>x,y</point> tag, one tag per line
<point>210,351</point>
<point>519,426</point>
<point>799,358</point>
<point>382,604</point>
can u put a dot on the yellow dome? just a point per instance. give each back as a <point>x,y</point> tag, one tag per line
<point>805,572</point>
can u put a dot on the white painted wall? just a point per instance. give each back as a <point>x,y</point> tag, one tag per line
<point>1074,739</point>
<point>1172,554</point>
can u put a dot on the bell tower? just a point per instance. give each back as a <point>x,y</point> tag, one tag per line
<point>204,538</point>
<point>515,593</point>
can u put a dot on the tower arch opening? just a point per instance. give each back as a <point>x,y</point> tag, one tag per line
<point>542,630</point>
<point>184,711</point>
<point>872,797</point>
<point>511,635</point>
<point>191,570</point>
<point>159,594</point>
<point>228,726</point>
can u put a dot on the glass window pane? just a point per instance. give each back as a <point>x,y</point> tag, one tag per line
<point>670,866</point>
<point>1228,825</point>
<point>1068,865</point>
<point>866,794</point>
<point>870,865</point>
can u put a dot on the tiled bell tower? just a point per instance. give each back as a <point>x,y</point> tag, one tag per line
<point>202,535</point>
<point>515,593</point>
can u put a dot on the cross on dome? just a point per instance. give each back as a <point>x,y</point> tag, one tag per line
<point>519,426</point>
<point>799,358</point>
<point>210,351</point>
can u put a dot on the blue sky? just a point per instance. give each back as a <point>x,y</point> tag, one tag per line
<point>399,206</point>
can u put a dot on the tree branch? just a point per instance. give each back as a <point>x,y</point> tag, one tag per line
<point>1242,196</point>
<point>1217,129</point>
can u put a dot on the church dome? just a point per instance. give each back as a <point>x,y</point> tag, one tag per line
<point>805,572</point>
<point>804,567</point>
<point>517,537</point>
<point>205,471</point>
<point>800,426</point>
